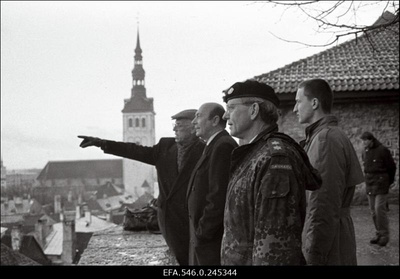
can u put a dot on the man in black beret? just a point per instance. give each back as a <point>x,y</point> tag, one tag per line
<point>265,203</point>
<point>174,159</point>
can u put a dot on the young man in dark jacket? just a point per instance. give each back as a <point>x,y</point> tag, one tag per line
<point>379,169</point>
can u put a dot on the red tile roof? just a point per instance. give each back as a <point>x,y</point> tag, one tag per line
<point>351,66</point>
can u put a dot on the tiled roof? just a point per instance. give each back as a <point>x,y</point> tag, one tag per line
<point>29,248</point>
<point>351,66</point>
<point>17,206</point>
<point>54,241</point>
<point>14,258</point>
<point>82,169</point>
<point>109,189</point>
<point>95,225</point>
<point>115,202</point>
<point>12,219</point>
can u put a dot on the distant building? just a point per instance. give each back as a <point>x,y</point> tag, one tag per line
<point>80,173</point>
<point>21,178</point>
<point>20,206</point>
<point>138,127</point>
<point>3,176</point>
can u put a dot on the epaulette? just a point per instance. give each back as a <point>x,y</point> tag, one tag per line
<point>276,146</point>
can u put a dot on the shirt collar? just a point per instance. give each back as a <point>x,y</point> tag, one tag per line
<point>212,137</point>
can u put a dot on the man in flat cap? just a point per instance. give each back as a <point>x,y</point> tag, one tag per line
<point>265,203</point>
<point>174,159</point>
<point>380,170</point>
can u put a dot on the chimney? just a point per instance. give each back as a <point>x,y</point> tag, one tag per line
<point>40,232</point>
<point>16,237</point>
<point>88,215</point>
<point>109,216</point>
<point>78,214</point>
<point>69,238</point>
<point>57,204</point>
<point>69,197</point>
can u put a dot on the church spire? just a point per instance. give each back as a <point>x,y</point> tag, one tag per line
<point>138,50</point>
<point>138,73</point>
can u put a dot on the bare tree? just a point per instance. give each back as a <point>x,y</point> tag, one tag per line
<point>340,17</point>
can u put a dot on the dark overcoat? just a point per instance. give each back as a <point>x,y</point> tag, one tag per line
<point>172,208</point>
<point>206,200</point>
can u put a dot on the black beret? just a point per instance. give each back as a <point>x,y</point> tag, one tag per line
<point>251,88</point>
<point>366,136</point>
<point>185,114</point>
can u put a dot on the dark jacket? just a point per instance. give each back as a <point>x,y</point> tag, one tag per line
<point>329,230</point>
<point>172,210</point>
<point>206,200</point>
<point>265,203</point>
<point>379,168</point>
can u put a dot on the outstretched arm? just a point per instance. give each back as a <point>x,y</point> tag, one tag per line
<point>90,141</point>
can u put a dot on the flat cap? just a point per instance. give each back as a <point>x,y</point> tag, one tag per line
<point>185,114</point>
<point>367,136</point>
<point>251,88</point>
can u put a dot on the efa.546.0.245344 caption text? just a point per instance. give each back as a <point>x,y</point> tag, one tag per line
<point>211,272</point>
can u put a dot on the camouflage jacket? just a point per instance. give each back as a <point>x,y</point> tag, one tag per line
<point>266,205</point>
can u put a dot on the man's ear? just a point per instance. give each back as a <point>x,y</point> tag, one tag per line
<point>215,120</point>
<point>254,111</point>
<point>315,103</point>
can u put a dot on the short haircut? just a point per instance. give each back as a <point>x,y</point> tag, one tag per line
<point>269,113</point>
<point>218,111</point>
<point>320,89</point>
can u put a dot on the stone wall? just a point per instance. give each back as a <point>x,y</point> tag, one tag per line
<point>382,119</point>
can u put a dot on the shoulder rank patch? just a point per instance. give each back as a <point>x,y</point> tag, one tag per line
<point>280,167</point>
<point>276,147</point>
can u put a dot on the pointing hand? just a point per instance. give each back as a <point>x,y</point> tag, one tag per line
<point>89,141</point>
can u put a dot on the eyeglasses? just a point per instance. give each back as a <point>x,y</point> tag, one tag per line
<point>179,125</point>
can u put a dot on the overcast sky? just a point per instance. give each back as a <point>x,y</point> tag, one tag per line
<point>66,66</point>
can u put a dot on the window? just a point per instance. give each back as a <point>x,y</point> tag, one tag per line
<point>137,122</point>
<point>143,122</point>
<point>130,123</point>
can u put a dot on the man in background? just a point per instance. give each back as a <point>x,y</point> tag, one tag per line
<point>379,169</point>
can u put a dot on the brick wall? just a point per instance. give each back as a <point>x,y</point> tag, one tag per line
<point>382,119</point>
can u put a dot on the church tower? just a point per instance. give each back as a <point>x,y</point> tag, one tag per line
<point>138,127</point>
